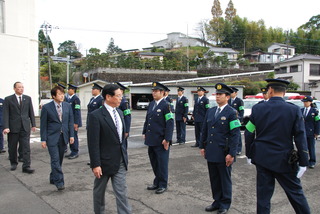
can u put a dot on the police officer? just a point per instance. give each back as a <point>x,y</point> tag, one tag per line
<point>157,132</point>
<point>168,99</point>
<point>264,92</point>
<point>237,104</point>
<point>312,125</point>
<point>125,108</point>
<point>269,136</point>
<point>200,108</point>
<point>218,145</point>
<point>2,150</point>
<point>181,114</point>
<point>74,101</point>
<point>96,100</point>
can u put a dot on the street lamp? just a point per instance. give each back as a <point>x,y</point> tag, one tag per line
<point>47,28</point>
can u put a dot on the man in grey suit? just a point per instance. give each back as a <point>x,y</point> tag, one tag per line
<point>56,130</point>
<point>17,116</point>
<point>108,150</point>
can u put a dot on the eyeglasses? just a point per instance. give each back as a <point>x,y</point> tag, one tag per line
<point>118,96</point>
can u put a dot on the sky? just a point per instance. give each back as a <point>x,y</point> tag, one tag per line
<point>135,24</point>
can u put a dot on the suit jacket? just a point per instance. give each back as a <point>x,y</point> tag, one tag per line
<point>105,148</point>
<point>75,104</point>
<point>182,108</point>
<point>1,111</point>
<point>311,122</point>
<point>220,135</point>
<point>269,140</point>
<point>51,126</point>
<point>159,124</point>
<point>238,105</point>
<point>16,117</point>
<point>200,108</point>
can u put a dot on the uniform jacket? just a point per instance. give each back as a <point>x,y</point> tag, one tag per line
<point>158,124</point>
<point>14,117</point>
<point>221,135</point>
<point>200,108</point>
<point>182,108</point>
<point>1,111</point>
<point>170,101</point>
<point>51,126</point>
<point>238,105</point>
<point>277,124</point>
<point>75,105</point>
<point>95,103</point>
<point>311,121</point>
<point>125,108</point>
<point>105,148</point>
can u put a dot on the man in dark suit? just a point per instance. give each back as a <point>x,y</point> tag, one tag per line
<point>74,101</point>
<point>181,114</point>
<point>96,100</point>
<point>125,108</point>
<point>17,116</point>
<point>157,132</point>
<point>237,104</point>
<point>269,136</point>
<point>108,150</point>
<point>56,130</point>
<point>201,105</point>
<point>312,124</point>
<point>218,145</point>
<point>2,150</point>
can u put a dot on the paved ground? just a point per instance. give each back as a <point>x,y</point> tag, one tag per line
<point>189,188</point>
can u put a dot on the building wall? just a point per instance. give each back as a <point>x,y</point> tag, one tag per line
<point>19,50</point>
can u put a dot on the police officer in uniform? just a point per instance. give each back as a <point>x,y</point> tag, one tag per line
<point>312,124</point>
<point>237,104</point>
<point>181,114</point>
<point>200,108</point>
<point>125,108</point>
<point>74,101</point>
<point>264,92</point>
<point>218,145</point>
<point>96,100</point>
<point>269,136</point>
<point>157,132</point>
<point>169,99</point>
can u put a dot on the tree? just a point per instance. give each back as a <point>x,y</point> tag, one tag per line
<point>112,48</point>
<point>230,12</point>
<point>312,24</point>
<point>68,48</point>
<point>201,29</point>
<point>215,27</point>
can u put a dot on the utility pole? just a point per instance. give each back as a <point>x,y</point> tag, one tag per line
<point>68,58</point>
<point>47,28</point>
<point>287,44</point>
<point>187,49</point>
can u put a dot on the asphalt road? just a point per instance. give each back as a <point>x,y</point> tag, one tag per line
<point>188,190</point>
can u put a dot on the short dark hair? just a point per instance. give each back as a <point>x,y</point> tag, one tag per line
<point>15,84</point>
<point>55,89</point>
<point>109,89</point>
<point>278,89</point>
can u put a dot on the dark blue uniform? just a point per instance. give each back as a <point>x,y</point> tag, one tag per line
<point>311,122</point>
<point>74,101</point>
<point>238,105</point>
<point>219,138</point>
<point>1,128</point>
<point>95,103</point>
<point>272,128</point>
<point>158,126</point>
<point>170,101</point>
<point>182,108</point>
<point>199,111</point>
<point>125,108</point>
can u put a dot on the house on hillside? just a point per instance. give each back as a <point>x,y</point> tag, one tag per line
<point>151,55</point>
<point>232,54</point>
<point>287,51</point>
<point>304,70</point>
<point>262,57</point>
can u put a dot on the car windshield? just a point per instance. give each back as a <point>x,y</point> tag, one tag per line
<point>144,100</point>
<point>296,102</point>
<point>249,103</point>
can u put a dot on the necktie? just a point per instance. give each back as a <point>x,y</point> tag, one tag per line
<point>92,98</point>
<point>117,123</point>
<point>305,112</point>
<point>20,101</point>
<point>154,106</point>
<point>217,113</point>
<point>198,100</point>
<point>59,112</point>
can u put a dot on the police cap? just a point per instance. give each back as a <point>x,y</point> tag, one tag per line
<point>158,86</point>
<point>122,87</point>
<point>180,88</point>
<point>307,99</point>
<point>62,86</point>
<point>222,88</point>
<point>277,82</point>
<point>167,89</point>
<point>72,87</point>
<point>200,88</point>
<point>96,86</point>
<point>264,90</point>
<point>234,89</point>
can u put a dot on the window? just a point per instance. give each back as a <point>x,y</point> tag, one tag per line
<point>314,69</point>
<point>281,70</point>
<point>1,16</point>
<point>287,51</point>
<point>293,68</point>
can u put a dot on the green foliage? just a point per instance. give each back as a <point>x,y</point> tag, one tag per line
<point>293,86</point>
<point>112,48</point>
<point>270,75</point>
<point>230,12</point>
<point>69,48</point>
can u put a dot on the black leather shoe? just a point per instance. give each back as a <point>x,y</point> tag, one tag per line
<point>13,167</point>
<point>60,188</point>
<point>68,155</point>
<point>88,163</point>
<point>3,150</point>
<point>152,187</point>
<point>195,145</point>
<point>20,159</point>
<point>181,143</point>
<point>222,211</point>
<point>73,156</point>
<point>28,170</point>
<point>311,166</point>
<point>161,190</point>
<point>211,208</point>
<point>51,182</point>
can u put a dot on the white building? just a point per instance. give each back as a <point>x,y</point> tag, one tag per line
<point>19,48</point>
<point>287,51</point>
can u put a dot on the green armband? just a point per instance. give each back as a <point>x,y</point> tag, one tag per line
<point>77,106</point>
<point>126,112</point>
<point>168,116</point>
<point>207,105</point>
<point>241,108</point>
<point>250,127</point>
<point>234,124</point>
<point>186,104</point>
<point>316,118</point>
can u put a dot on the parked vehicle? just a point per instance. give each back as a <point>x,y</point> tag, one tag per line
<point>248,104</point>
<point>143,103</point>
<point>212,103</point>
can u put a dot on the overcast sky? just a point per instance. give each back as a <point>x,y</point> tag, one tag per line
<point>134,24</point>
